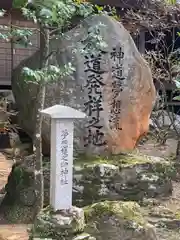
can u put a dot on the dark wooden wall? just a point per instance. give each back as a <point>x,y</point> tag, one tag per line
<point>6,4</point>
<point>12,54</point>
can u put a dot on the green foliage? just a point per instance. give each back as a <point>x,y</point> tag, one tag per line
<point>21,36</point>
<point>18,175</point>
<point>172,2</point>
<point>4,36</point>
<point>48,74</point>
<point>94,41</point>
<point>29,14</point>
<point>16,35</point>
<point>56,15</point>
<point>177,82</point>
<point>177,98</point>
<point>19,3</point>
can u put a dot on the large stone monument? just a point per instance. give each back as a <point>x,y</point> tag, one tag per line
<point>115,89</point>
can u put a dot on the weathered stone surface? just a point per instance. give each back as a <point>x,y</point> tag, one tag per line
<point>118,221</point>
<point>58,225</point>
<point>163,217</point>
<point>122,177</point>
<point>20,199</point>
<point>132,105</point>
<point>104,220</point>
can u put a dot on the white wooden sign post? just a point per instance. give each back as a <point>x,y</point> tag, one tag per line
<point>61,180</point>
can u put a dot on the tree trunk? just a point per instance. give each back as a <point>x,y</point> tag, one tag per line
<point>39,179</point>
<point>178,151</point>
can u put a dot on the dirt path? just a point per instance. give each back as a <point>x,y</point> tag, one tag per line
<point>9,231</point>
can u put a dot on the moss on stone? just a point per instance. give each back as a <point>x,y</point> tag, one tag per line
<point>117,220</point>
<point>19,214</point>
<point>57,225</point>
<point>133,176</point>
<point>123,180</point>
<point>160,167</point>
<point>123,160</point>
<point>83,160</point>
<point>22,177</point>
<point>91,191</point>
<point>177,214</point>
<point>129,211</point>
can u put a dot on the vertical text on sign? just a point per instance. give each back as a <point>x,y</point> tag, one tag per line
<point>93,106</point>
<point>64,157</point>
<point>117,56</point>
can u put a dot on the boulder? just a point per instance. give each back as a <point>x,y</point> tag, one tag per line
<point>122,177</point>
<point>164,215</point>
<point>115,89</point>
<point>114,220</point>
<point>65,224</point>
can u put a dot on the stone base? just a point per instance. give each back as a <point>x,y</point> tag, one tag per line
<point>66,224</point>
<point>106,220</point>
<point>118,220</point>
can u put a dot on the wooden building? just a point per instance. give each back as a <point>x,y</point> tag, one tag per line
<point>12,54</point>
